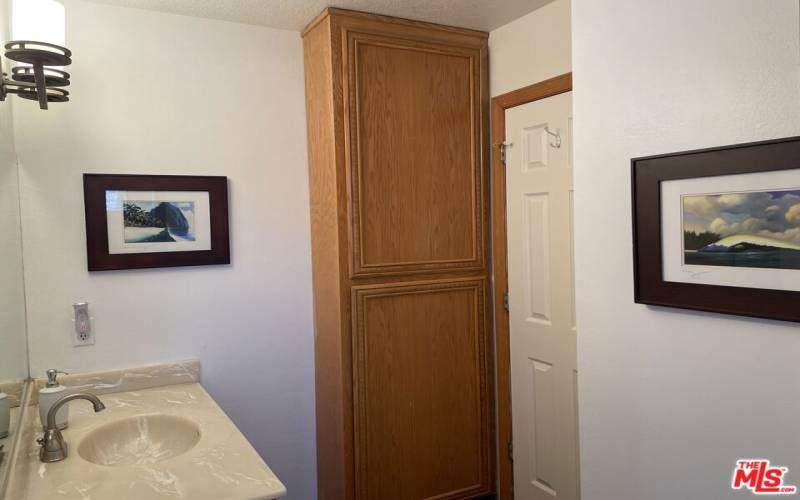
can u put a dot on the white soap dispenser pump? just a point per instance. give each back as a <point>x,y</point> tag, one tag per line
<point>49,395</point>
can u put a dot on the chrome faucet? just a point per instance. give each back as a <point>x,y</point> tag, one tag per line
<point>54,448</point>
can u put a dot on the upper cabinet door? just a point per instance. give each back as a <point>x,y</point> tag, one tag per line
<point>414,129</point>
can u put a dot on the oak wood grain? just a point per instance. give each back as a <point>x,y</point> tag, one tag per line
<point>414,118</point>
<point>406,101</point>
<point>329,252</point>
<point>422,390</point>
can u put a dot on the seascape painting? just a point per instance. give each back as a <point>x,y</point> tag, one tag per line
<point>158,221</point>
<point>144,221</point>
<point>759,229</point>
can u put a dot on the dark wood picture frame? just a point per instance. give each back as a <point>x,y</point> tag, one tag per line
<point>98,256</point>
<point>647,174</point>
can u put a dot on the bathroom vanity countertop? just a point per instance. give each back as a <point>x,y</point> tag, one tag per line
<point>5,452</point>
<point>221,466</point>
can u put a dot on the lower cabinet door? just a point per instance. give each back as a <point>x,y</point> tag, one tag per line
<point>422,390</point>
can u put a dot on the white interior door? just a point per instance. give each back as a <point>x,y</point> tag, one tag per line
<point>541,299</point>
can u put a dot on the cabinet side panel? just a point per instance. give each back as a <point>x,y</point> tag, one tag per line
<point>334,427</point>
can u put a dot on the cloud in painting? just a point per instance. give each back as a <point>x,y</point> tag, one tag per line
<point>793,215</point>
<point>775,214</point>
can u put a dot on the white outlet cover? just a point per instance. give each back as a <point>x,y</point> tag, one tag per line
<point>80,340</point>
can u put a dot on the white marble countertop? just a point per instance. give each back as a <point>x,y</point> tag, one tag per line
<point>6,443</point>
<point>221,466</point>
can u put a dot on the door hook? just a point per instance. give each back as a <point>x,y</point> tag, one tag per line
<point>556,136</point>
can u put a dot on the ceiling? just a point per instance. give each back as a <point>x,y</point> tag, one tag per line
<point>296,14</point>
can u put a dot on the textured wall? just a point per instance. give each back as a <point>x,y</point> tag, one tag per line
<point>530,49</point>
<point>163,94</point>
<point>670,399</point>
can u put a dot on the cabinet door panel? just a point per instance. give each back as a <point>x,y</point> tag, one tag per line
<point>421,390</point>
<point>414,130</point>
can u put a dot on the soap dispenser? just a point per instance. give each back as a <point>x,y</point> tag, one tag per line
<point>49,395</point>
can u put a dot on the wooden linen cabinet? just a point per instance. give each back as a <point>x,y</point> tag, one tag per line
<point>398,159</point>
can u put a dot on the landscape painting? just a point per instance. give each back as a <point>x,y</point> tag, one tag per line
<point>158,221</point>
<point>146,221</point>
<point>759,229</point>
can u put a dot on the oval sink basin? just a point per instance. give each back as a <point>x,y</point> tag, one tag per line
<point>139,440</point>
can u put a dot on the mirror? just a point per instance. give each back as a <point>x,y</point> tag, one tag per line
<point>13,343</point>
<point>13,346</point>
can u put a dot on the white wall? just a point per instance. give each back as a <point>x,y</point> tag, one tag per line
<point>13,356</point>
<point>530,49</point>
<point>157,93</point>
<point>670,399</point>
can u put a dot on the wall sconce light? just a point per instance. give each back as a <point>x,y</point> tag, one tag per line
<point>38,29</point>
<point>37,81</point>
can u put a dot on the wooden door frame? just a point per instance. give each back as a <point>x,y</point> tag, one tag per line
<point>548,88</point>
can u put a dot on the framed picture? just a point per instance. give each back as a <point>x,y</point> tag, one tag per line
<point>719,229</point>
<point>141,221</point>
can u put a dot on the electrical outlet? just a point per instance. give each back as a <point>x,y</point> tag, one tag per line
<point>83,325</point>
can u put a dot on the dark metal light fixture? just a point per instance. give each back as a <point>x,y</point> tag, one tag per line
<point>38,81</point>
